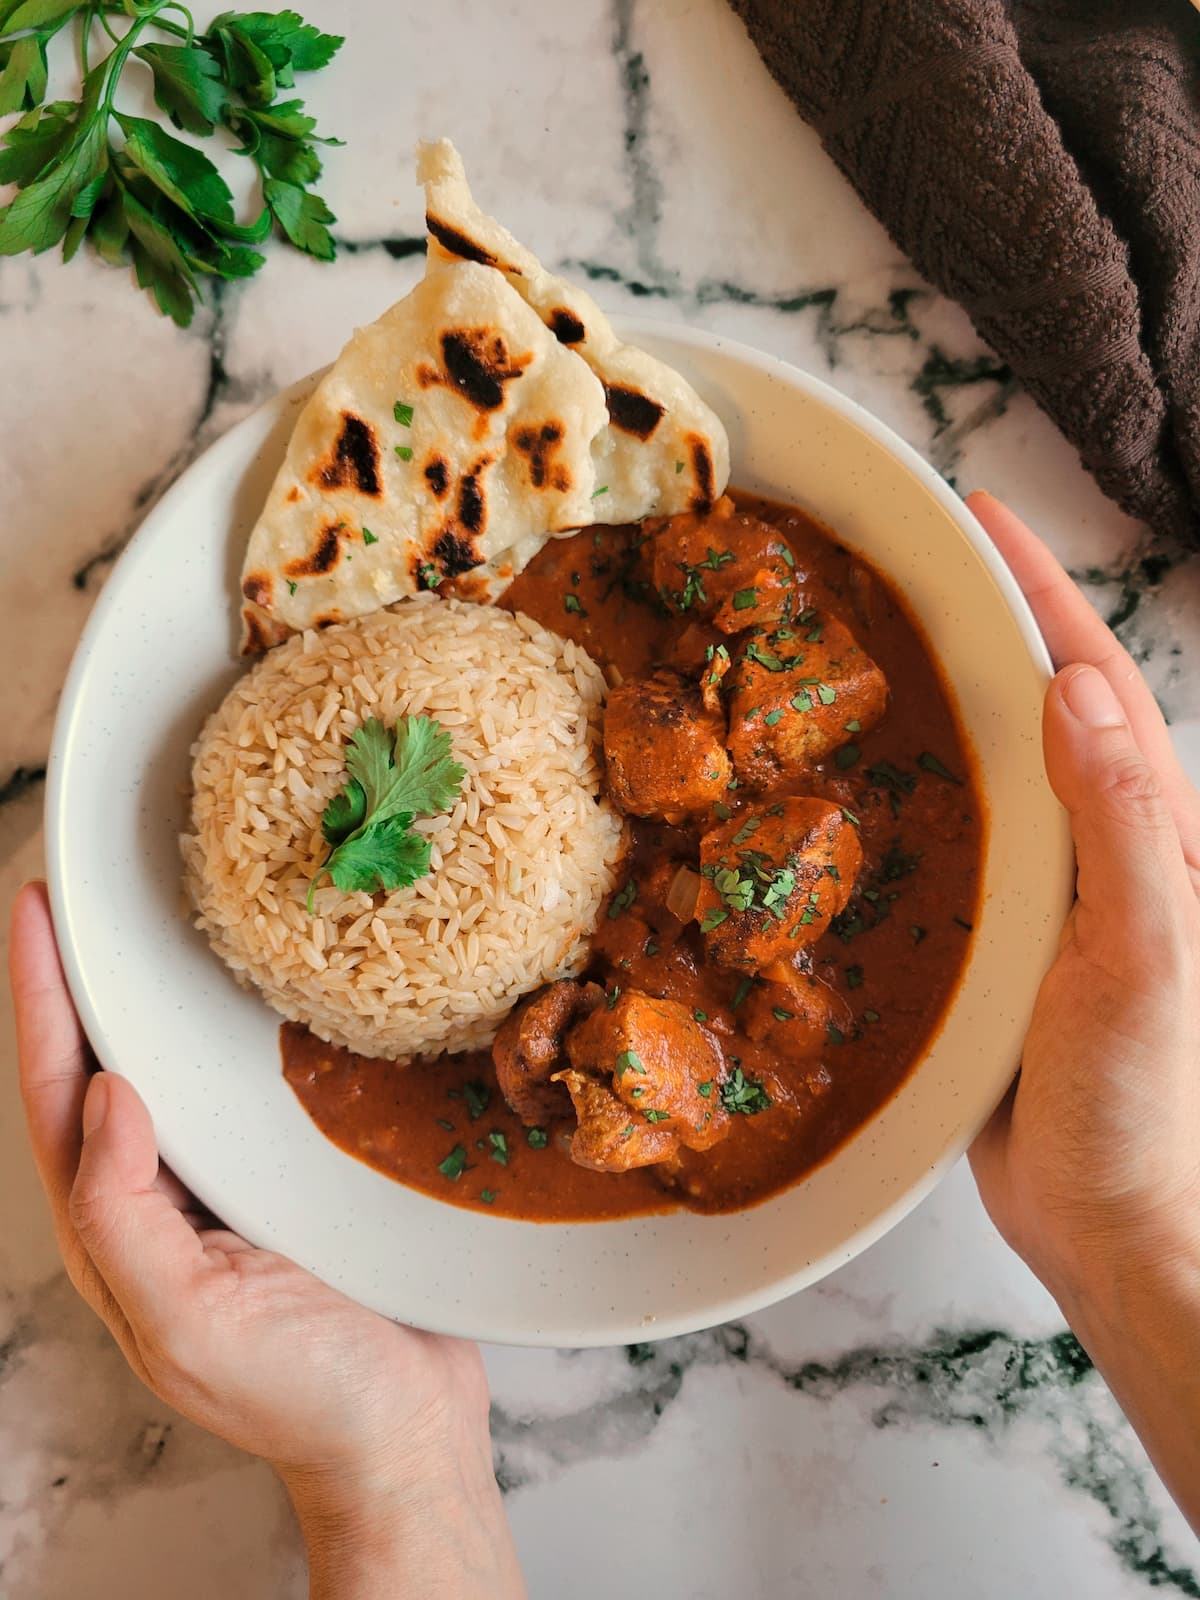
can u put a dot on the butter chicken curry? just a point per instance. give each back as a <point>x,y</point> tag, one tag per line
<point>792,916</point>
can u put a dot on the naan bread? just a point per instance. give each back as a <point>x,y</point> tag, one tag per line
<point>664,450</point>
<point>498,454</point>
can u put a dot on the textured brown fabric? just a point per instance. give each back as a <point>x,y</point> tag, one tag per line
<point>1039,160</point>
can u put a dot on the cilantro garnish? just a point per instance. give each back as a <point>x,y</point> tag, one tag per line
<point>537,1138</point>
<point>488,1196</point>
<point>622,900</point>
<point>499,1147</point>
<point>404,451</point>
<point>478,1097</point>
<point>930,763</point>
<point>396,775</point>
<point>454,1165</point>
<point>629,1061</point>
<point>656,1116</point>
<point>745,598</point>
<point>369,537</point>
<point>571,603</point>
<point>742,1094</point>
<point>291,583</point>
<point>158,203</point>
<point>403,414</point>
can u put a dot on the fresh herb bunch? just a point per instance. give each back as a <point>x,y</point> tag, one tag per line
<point>396,775</point>
<point>152,200</point>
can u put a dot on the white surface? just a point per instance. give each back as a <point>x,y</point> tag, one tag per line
<point>806,1452</point>
<point>204,1053</point>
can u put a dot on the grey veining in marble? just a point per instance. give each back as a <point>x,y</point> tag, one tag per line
<point>919,1426</point>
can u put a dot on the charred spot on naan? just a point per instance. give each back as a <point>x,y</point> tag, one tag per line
<point>477,365</point>
<point>457,243</point>
<point>454,553</point>
<point>292,495</point>
<point>437,476</point>
<point>323,556</point>
<point>327,619</point>
<point>541,444</point>
<point>472,502</point>
<point>566,326</point>
<point>258,589</point>
<point>259,638</point>
<point>702,471</point>
<point>354,460</point>
<point>632,411</point>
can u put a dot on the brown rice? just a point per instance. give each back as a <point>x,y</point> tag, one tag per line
<point>519,867</point>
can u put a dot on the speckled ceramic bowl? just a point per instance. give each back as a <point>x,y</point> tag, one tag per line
<point>158,653</point>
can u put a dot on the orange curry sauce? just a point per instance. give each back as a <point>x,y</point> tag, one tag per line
<point>895,956</point>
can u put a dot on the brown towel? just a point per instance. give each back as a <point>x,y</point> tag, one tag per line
<point>1040,161</point>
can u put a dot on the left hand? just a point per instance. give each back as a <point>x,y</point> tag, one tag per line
<point>379,1431</point>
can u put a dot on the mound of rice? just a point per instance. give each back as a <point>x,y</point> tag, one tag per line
<point>519,868</point>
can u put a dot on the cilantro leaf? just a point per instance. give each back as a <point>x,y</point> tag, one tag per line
<point>158,263</point>
<point>384,855</point>
<point>187,85</point>
<point>344,813</point>
<point>395,775</point>
<point>34,142</point>
<point>183,173</point>
<point>745,1095</point>
<point>37,218</point>
<point>285,39</point>
<point>36,13</point>
<point>302,215</point>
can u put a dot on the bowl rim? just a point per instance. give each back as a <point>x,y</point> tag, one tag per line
<point>864,1233</point>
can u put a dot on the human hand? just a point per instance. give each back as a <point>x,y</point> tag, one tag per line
<point>380,1432</point>
<point>1096,1154</point>
<point>1091,1166</point>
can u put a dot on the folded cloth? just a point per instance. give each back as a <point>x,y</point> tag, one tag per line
<point>1040,162</point>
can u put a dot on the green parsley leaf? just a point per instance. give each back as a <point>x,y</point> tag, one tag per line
<point>403,414</point>
<point>478,1098</point>
<point>826,694</point>
<point>657,1116</point>
<point>292,585</point>
<point>854,977</point>
<point>782,1015</point>
<point>847,757</point>
<point>454,1165</point>
<point>743,599</point>
<point>428,576</point>
<point>740,993</point>
<point>622,900</point>
<point>747,1096</point>
<point>402,773</point>
<point>611,998</point>
<point>404,451</point>
<point>187,85</point>
<point>302,215</point>
<point>773,717</point>
<point>488,1196</point>
<point>700,1016</point>
<point>369,537</point>
<point>571,603</point>
<point>23,81</point>
<point>596,493</point>
<point>713,919</point>
<point>855,726</point>
<point>930,763</point>
<point>629,1061</point>
<point>537,1138</point>
<point>499,1146</point>
<point>836,1036</point>
<point>678,467</point>
<point>705,1089</point>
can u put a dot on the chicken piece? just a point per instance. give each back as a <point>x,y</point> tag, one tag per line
<point>645,1077</point>
<point>666,754</point>
<point>529,1049</point>
<point>794,1012</point>
<point>772,881</point>
<point>728,567</point>
<point>794,700</point>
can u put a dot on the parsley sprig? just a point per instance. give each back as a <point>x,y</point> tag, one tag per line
<point>396,775</point>
<point>151,200</point>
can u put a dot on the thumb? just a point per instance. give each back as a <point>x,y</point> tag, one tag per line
<point>1135,898</point>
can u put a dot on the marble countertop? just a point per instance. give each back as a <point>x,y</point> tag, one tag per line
<point>920,1425</point>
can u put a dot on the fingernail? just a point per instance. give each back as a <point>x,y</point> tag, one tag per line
<point>1090,698</point>
<point>95,1104</point>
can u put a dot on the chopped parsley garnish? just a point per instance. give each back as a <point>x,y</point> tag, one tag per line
<point>870,1016</point>
<point>611,998</point>
<point>622,900</point>
<point>785,551</point>
<point>713,919</point>
<point>855,726</point>
<point>705,1089</point>
<point>403,414</point>
<point>444,1122</point>
<point>652,947</point>
<point>404,451</point>
<point>854,977</point>
<point>678,467</point>
<point>743,599</point>
<point>369,537</point>
<point>743,989</point>
<point>836,1036</point>
<point>626,1132</point>
<point>537,1138</point>
<point>454,1165</point>
<point>571,603</point>
<point>969,927</point>
<point>396,775</point>
<point>291,586</point>
<point>499,1146</point>
<point>898,863</point>
<point>750,826</point>
<point>700,1016</point>
<point>629,1061</point>
<point>488,1196</point>
<point>847,757</point>
<point>745,1095</point>
<point>596,493</point>
<point>781,1014</point>
<point>656,1116</point>
<point>428,576</point>
<point>478,1097</point>
<point>721,811</point>
<point>815,636</point>
<point>826,694</point>
<point>930,763</point>
<point>850,818</point>
<point>891,777</point>
<point>773,717</point>
<point>765,658</point>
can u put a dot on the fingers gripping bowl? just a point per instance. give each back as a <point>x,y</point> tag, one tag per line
<point>204,1053</point>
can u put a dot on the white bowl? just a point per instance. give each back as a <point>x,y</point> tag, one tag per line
<point>158,654</point>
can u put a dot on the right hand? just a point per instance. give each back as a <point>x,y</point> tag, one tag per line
<point>1094,1159</point>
